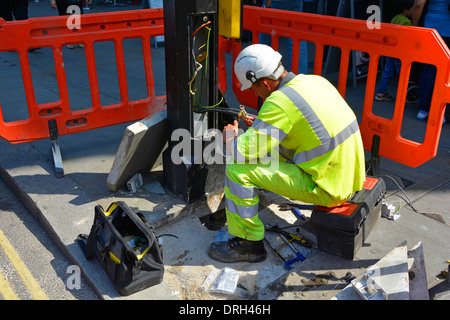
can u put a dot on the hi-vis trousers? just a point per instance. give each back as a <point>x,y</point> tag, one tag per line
<point>241,198</point>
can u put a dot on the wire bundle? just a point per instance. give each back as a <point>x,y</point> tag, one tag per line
<point>198,81</point>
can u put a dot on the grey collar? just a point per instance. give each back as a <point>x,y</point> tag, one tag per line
<point>286,79</point>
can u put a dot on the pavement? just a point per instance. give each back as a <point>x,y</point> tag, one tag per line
<point>65,205</point>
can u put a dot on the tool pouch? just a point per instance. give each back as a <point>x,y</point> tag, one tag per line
<point>127,248</point>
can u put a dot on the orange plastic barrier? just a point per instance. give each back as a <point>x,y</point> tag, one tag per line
<point>409,44</point>
<point>52,32</point>
<point>406,43</point>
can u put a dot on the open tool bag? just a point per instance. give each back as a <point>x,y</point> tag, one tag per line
<point>127,248</point>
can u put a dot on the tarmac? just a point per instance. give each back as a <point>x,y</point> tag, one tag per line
<point>65,205</point>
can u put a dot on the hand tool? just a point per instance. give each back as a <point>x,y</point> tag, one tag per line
<point>292,237</point>
<point>276,251</point>
<point>286,206</point>
<point>295,208</point>
<point>298,255</point>
<point>288,263</point>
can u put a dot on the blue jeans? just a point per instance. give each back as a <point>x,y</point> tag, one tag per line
<point>292,5</point>
<point>426,83</point>
<point>392,67</point>
<point>426,86</point>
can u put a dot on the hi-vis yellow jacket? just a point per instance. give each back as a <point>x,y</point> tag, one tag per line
<point>308,122</point>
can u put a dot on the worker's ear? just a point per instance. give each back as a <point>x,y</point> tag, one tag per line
<point>265,83</point>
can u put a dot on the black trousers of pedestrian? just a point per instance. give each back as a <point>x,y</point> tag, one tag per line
<point>64,4</point>
<point>14,9</point>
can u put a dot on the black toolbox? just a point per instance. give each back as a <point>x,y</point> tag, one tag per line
<point>342,230</point>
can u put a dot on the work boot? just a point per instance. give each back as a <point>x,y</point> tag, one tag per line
<point>238,250</point>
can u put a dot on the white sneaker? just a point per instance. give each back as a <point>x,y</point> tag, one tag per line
<point>422,115</point>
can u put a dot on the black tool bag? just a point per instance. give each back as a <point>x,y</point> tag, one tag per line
<point>127,248</point>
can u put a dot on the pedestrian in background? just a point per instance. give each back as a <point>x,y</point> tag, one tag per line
<point>291,5</point>
<point>403,14</point>
<point>437,17</point>
<point>63,6</point>
<point>14,9</point>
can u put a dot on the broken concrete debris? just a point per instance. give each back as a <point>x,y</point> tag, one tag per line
<point>400,275</point>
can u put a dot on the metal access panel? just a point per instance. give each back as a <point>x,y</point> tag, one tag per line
<point>191,40</point>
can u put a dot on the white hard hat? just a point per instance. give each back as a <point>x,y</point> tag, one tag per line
<point>257,61</point>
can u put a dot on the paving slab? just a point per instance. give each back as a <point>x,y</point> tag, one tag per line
<point>139,150</point>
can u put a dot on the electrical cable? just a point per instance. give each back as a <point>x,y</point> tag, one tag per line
<point>203,25</point>
<point>197,91</point>
<point>409,202</point>
<point>199,67</point>
<point>436,216</point>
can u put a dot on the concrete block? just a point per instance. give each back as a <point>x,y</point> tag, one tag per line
<point>139,150</point>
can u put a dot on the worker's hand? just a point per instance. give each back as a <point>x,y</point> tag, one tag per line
<point>248,120</point>
<point>53,4</point>
<point>230,131</point>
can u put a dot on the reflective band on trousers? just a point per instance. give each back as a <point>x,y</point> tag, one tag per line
<point>242,211</point>
<point>240,190</point>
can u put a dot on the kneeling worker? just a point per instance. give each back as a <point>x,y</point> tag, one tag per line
<point>303,119</point>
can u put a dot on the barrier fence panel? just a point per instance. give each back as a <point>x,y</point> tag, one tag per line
<point>409,44</point>
<point>53,33</point>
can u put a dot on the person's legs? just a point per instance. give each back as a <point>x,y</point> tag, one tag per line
<point>20,9</point>
<point>292,5</point>
<point>6,9</point>
<point>242,201</point>
<point>426,87</point>
<point>388,73</point>
<point>63,5</point>
<point>66,9</point>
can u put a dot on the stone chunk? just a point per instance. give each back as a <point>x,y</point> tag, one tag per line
<point>139,150</point>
